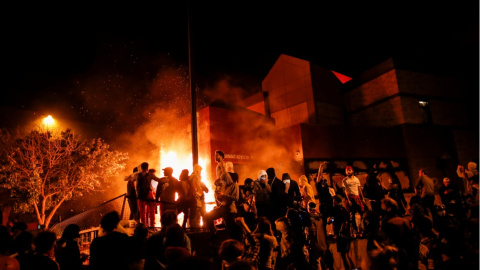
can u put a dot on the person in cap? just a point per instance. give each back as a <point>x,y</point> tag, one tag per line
<point>166,192</point>
<point>354,196</point>
<point>145,195</point>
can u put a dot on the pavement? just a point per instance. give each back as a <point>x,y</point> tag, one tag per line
<point>357,251</point>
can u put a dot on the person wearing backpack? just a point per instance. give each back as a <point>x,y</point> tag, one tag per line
<point>145,195</point>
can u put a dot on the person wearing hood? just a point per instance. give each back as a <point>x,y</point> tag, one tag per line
<point>306,191</point>
<point>262,192</point>
<point>279,195</point>
<point>293,191</point>
<point>469,178</point>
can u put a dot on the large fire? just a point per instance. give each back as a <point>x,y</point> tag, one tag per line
<point>178,161</point>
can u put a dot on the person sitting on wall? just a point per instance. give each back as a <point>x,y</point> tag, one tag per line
<point>226,196</point>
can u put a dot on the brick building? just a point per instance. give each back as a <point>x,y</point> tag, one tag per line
<point>396,112</point>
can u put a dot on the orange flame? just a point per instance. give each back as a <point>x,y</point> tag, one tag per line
<point>178,161</point>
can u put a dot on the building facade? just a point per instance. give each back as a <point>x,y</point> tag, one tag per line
<point>397,114</point>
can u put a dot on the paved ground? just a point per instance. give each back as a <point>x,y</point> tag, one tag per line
<point>204,246</point>
<point>358,251</point>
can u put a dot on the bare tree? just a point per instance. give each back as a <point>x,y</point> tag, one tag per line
<point>42,170</point>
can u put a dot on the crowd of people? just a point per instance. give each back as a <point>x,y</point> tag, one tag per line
<point>272,222</point>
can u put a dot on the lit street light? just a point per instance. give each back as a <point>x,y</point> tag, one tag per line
<point>49,122</point>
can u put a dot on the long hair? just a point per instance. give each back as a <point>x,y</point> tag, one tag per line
<point>263,226</point>
<point>303,181</point>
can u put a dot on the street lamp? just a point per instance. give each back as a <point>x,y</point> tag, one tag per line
<point>48,122</point>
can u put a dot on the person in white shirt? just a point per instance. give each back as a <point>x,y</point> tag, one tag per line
<point>354,196</point>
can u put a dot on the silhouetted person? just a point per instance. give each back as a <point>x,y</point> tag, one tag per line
<point>450,196</point>
<point>23,246</point>
<point>6,247</point>
<point>110,251</point>
<point>45,251</point>
<point>137,244</point>
<point>395,192</point>
<point>177,244</point>
<point>166,192</point>
<point>278,196</point>
<point>325,195</point>
<point>132,195</point>
<point>341,230</point>
<point>155,246</point>
<point>291,254</point>
<point>426,185</point>
<point>264,233</point>
<point>374,189</point>
<point>399,231</point>
<point>186,199</point>
<point>293,191</point>
<point>381,256</point>
<point>67,250</point>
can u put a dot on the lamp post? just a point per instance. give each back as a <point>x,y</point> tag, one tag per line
<point>48,122</point>
<point>194,97</point>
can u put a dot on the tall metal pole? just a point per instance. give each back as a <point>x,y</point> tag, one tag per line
<point>194,96</point>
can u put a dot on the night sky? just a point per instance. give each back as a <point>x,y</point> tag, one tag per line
<point>112,65</point>
<point>122,69</point>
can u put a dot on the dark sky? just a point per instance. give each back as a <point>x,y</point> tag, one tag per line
<point>122,68</point>
<point>88,60</point>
